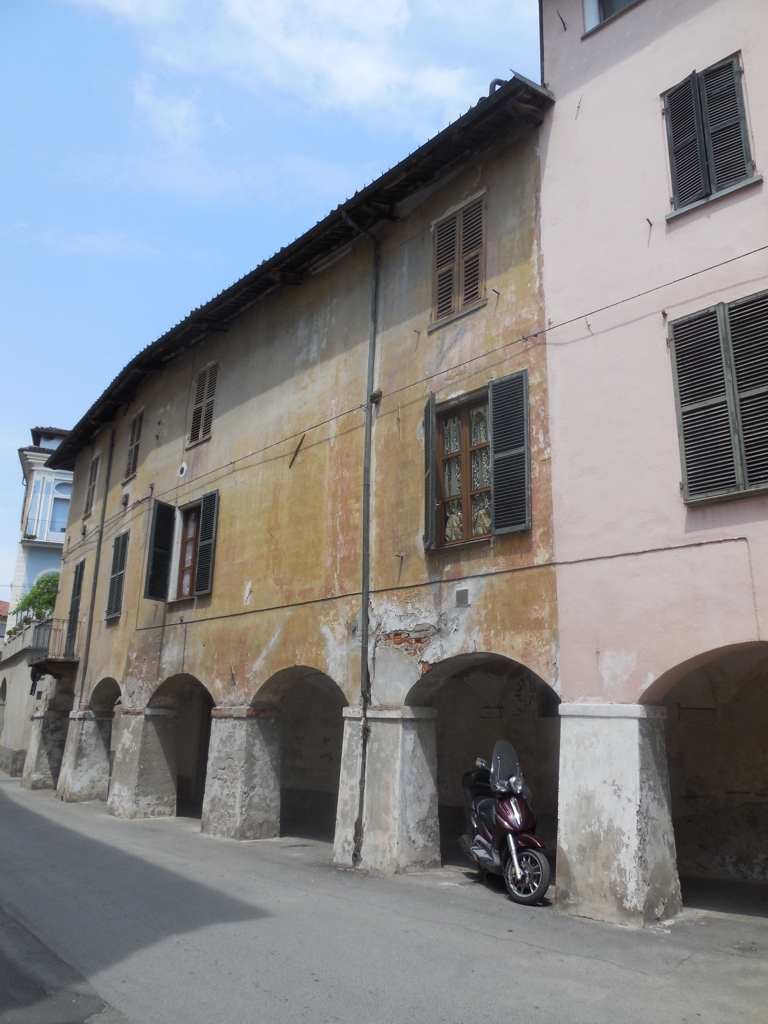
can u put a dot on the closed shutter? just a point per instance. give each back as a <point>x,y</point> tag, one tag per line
<point>430,476</point>
<point>74,610</point>
<point>748,334</point>
<point>472,253</point>
<point>510,454</point>
<point>202,413</point>
<point>706,418</point>
<point>117,576</point>
<point>725,125</point>
<point>446,267</point>
<point>687,151</point>
<point>90,491</point>
<point>160,551</point>
<point>133,444</point>
<point>206,543</point>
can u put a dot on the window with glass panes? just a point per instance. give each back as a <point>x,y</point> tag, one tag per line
<point>188,559</point>
<point>465,473</point>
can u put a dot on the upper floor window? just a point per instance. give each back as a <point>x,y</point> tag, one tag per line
<point>90,490</point>
<point>720,367</point>
<point>134,440</point>
<point>598,11</point>
<point>459,268</point>
<point>477,465</point>
<point>707,133</point>
<point>189,535</point>
<point>117,576</point>
<point>202,411</point>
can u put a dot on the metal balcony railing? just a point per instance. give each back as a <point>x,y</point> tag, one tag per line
<point>51,530</point>
<point>56,639</point>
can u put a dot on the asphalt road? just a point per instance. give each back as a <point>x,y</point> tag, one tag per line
<point>149,922</point>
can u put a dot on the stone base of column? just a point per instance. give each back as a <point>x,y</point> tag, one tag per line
<point>144,772</point>
<point>348,804</point>
<point>85,768</point>
<point>242,785</point>
<point>400,825</point>
<point>616,846</point>
<point>46,750</point>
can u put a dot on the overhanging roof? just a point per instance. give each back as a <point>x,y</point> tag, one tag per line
<point>518,101</point>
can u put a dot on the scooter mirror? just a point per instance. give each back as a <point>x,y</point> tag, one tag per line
<point>481,763</point>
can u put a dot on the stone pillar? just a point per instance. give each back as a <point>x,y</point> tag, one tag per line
<point>46,749</point>
<point>144,773</point>
<point>348,805</point>
<point>242,784</point>
<point>85,768</point>
<point>400,826</point>
<point>616,846</point>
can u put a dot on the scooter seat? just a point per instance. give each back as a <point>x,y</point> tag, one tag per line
<point>484,809</point>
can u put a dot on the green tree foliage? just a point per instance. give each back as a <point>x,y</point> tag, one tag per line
<point>41,599</point>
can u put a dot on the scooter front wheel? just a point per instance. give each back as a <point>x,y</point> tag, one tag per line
<point>535,873</point>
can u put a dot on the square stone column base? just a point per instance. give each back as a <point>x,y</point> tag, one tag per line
<point>46,750</point>
<point>85,768</point>
<point>616,846</point>
<point>144,773</point>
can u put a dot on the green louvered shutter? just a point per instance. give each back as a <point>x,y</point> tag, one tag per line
<point>725,125</point>
<point>748,335</point>
<point>687,148</point>
<point>117,576</point>
<point>74,610</point>
<point>206,542</point>
<point>430,475</point>
<point>160,551</point>
<point>706,417</point>
<point>510,454</point>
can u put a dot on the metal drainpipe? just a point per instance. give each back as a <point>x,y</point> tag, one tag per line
<point>89,628</point>
<point>365,682</point>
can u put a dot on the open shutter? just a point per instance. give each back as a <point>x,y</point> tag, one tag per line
<point>472,253</point>
<point>748,335</point>
<point>510,454</point>
<point>90,492</point>
<point>117,576</point>
<point>687,151</point>
<point>133,445</point>
<point>446,267</point>
<point>725,125</point>
<point>430,476</point>
<point>705,416</point>
<point>202,413</point>
<point>206,542</point>
<point>160,551</point>
<point>74,609</point>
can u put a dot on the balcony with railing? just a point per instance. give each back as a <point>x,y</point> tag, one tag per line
<point>53,640</point>
<point>48,531</point>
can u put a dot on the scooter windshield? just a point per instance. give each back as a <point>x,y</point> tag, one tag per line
<point>504,763</point>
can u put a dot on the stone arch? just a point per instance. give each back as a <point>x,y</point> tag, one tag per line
<point>310,706</point>
<point>105,695</point>
<point>715,727</point>
<point>479,698</point>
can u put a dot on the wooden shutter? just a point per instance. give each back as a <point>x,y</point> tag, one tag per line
<point>510,454</point>
<point>202,413</point>
<point>430,475</point>
<point>90,491</point>
<point>133,444</point>
<point>117,576</point>
<point>706,418</point>
<point>206,542</point>
<point>160,551</point>
<point>446,267</point>
<point>747,322</point>
<point>687,150</point>
<point>472,253</point>
<point>74,609</point>
<point>725,125</point>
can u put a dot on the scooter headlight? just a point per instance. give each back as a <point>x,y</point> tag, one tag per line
<point>516,782</point>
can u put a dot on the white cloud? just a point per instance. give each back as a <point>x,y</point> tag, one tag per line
<point>114,244</point>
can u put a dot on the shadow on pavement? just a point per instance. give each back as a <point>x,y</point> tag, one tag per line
<point>725,896</point>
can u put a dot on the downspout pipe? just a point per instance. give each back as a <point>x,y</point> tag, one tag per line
<point>365,585</point>
<point>97,563</point>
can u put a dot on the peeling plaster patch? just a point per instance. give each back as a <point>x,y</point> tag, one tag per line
<point>617,666</point>
<point>268,647</point>
<point>335,655</point>
<point>647,682</point>
<point>247,592</point>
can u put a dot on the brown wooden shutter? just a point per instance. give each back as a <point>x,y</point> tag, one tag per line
<point>160,551</point>
<point>706,418</point>
<point>748,334</point>
<point>510,454</point>
<point>202,413</point>
<point>446,267</point>
<point>206,542</point>
<point>90,491</point>
<point>725,125</point>
<point>117,576</point>
<point>74,610</point>
<point>133,444</point>
<point>687,150</point>
<point>472,253</point>
<point>430,475</point>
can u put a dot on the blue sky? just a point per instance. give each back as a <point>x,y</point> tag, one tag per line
<point>154,151</point>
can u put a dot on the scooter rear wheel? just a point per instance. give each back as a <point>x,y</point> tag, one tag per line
<point>535,871</point>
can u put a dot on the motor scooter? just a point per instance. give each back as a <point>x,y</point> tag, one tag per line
<point>503,826</point>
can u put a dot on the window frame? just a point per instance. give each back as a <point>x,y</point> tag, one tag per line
<point>465,451</point>
<point>591,26</point>
<point>182,517</point>
<point>90,487</point>
<point>208,504</point>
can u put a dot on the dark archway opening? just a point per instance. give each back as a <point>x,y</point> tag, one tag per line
<point>716,728</point>
<point>193,704</point>
<point>106,700</point>
<point>482,698</point>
